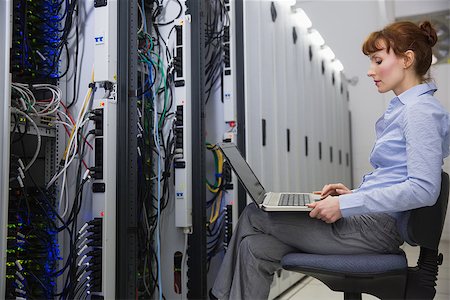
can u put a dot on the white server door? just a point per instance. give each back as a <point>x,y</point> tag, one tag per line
<point>293,130</point>
<point>300,86</point>
<point>316,124</point>
<point>269,107</point>
<point>281,101</point>
<point>253,89</point>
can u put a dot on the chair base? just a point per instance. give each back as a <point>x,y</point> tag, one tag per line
<point>352,296</point>
<point>422,279</point>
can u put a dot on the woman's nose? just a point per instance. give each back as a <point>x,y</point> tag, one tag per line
<point>370,72</point>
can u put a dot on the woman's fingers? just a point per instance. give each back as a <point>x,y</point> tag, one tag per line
<point>342,191</point>
<point>334,189</point>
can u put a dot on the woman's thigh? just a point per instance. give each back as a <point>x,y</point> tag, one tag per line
<point>359,234</point>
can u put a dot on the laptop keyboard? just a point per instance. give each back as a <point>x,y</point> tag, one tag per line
<point>294,200</point>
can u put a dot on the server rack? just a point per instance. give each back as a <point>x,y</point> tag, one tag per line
<point>127,155</point>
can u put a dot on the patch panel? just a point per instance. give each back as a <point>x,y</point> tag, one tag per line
<point>36,41</point>
<point>228,226</point>
<point>182,127</point>
<point>228,87</point>
<point>32,248</point>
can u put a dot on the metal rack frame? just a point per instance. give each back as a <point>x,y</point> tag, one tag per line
<point>5,83</point>
<point>127,246</point>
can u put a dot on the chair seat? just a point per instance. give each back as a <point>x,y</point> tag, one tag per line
<point>349,265</point>
<point>381,275</point>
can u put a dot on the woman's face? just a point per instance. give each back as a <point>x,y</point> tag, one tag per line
<point>387,70</point>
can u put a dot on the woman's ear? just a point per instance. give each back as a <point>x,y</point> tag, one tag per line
<point>408,59</point>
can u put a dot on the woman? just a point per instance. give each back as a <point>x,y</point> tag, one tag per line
<point>412,141</point>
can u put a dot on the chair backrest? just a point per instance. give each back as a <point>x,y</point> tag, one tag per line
<point>425,224</point>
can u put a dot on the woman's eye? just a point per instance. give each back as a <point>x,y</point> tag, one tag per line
<point>378,62</point>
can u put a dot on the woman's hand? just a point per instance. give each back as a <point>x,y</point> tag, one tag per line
<point>334,189</point>
<point>327,210</point>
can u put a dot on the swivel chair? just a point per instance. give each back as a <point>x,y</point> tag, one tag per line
<point>385,276</point>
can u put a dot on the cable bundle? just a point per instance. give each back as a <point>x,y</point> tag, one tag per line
<point>217,24</point>
<point>216,223</point>
<point>155,141</point>
<point>33,253</point>
<point>38,40</point>
<point>85,278</point>
<point>30,104</point>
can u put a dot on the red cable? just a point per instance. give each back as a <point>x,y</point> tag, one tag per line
<point>68,133</point>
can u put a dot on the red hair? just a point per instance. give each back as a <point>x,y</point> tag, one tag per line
<point>403,36</point>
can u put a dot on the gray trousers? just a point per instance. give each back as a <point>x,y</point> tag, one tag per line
<point>261,239</point>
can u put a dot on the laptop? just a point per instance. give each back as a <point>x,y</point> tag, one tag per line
<point>267,201</point>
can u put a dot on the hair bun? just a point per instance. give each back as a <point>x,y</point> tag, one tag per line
<point>430,32</point>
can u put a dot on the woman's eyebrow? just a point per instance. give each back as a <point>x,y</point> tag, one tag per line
<point>374,56</point>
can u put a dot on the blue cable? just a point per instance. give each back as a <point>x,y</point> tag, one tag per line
<point>143,17</point>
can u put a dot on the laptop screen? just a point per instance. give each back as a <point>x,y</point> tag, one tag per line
<point>243,172</point>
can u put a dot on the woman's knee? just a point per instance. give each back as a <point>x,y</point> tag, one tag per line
<point>254,214</point>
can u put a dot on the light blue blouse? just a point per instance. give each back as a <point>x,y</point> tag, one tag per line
<point>412,141</point>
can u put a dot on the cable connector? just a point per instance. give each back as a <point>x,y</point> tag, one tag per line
<point>96,260</point>
<point>94,253</point>
<point>19,284</point>
<point>96,243</point>
<point>18,274</point>
<point>95,236</point>
<point>97,112</point>
<point>19,179</point>
<point>81,276</point>
<point>95,169</point>
<point>96,222</point>
<point>82,249</point>
<point>18,265</point>
<point>96,118</point>
<point>83,243</point>
<point>22,166</point>
<point>83,227</point>
<point>19,169</point>
<point>93,268</point>
<point>95,230</point>
<point>96,132</point>
<point>108,85</point>
<point>20,291</point>
<point>87,175</point>
<point>81,260</point>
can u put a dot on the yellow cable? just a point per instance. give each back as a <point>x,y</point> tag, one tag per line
<point>214,217</point>
<point>86,100</point>
<point>215,208</point>
<point>219,168</point>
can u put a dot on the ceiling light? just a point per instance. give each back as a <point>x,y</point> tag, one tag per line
<point>316,38</point>
<point>304,19</point>
<point>327,52</point>
<point>338,65</point>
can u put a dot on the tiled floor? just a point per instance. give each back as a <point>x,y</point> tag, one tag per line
<point>314,289</point>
